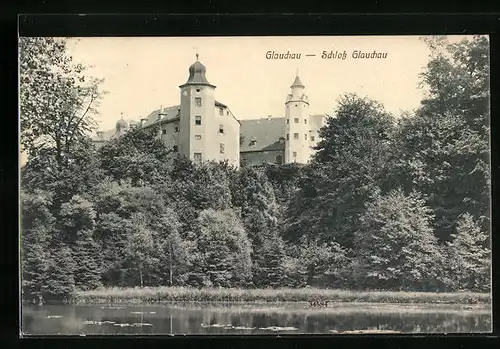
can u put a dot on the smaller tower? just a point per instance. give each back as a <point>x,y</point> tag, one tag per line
<point>121,126</point>
<point>297,124</point>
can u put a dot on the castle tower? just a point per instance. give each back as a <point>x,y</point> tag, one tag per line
<point>197,126</point>
<point>297,124</point>
<point>121,126</point>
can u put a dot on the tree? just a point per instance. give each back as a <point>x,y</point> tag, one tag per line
<point>224,247</point>
<point>173,251</point>
<point>395,245</point>
<point>61,284</point>
<point>88,269</point>
<point>57,104</point>
<point>140,247</point>
<point>443,150</point>
<point>37,227</point>
<point>469,256</point>
<point>350,165</point>
<point>138,156</point>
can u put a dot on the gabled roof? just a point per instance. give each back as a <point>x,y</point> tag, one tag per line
<point>171,114</point>
<point>266,133</point>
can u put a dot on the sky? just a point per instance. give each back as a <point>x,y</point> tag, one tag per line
<point>143,73</point>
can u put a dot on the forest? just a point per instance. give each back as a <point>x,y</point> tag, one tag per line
<point>386,203</point>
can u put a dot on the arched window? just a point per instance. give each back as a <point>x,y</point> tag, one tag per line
<point>279,159</point>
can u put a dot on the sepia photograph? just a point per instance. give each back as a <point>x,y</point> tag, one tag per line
<point>254,185</point>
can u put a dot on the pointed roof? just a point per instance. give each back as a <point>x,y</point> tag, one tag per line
<point>297,82</point>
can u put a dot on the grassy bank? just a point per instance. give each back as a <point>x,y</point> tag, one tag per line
<point>185,294</point>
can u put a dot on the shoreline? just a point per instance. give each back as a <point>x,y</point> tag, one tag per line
<point>227,295</point>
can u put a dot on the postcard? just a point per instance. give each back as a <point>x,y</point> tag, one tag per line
<point>255,185</point>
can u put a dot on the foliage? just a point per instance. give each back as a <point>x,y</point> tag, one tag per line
<point>138,156</point>
<point>395,243</point>
<point>347,169</point>
<point>37,224</point>
<point>469,256</point>
<point>134,214</point>
<point>224,247</point>
<point>443,151</point>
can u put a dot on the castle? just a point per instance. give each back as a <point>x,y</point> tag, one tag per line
<point>204,129</point>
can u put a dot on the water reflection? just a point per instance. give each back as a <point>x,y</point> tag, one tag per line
<point>248,319</point>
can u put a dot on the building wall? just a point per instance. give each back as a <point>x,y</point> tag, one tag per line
<point>189,144</point>
<point>261,157</point>
<point>297,108</point>
<point>230,138</point>
<point>169,136</point>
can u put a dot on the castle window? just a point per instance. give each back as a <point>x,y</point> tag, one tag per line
<point>296,120</point>
<point>253,142</point>
<point>305,136</point>
<point>197,120</point>
<point>175,148</point>
<point>197,158</point>
<point>198,90</point>
<point>221,111</point>
<point>287,136</point>
<point>222,148</point>
<point>312,138</point>
<point>295,136</point>
<point>176,129</point>
<point>163,132</point>
<point>197,101</point>
<point>279,159</point>
<point>294,154</point>
<point>221,128</point>
<point>287,121</point>
<point>197,137</point>
<point>305,121</point>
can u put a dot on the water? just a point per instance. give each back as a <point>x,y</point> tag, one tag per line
<point>251,318</point>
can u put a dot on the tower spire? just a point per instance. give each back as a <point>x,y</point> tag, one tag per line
<point>197,57</point>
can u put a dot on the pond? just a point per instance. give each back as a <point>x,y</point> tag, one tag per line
<point>252,318</point>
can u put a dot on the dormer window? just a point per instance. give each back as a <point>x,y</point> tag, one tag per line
<point>221,111</point>
<point>253,142</point>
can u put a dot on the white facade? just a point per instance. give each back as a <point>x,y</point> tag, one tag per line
<point>203,129</point>
<point>297,140</point>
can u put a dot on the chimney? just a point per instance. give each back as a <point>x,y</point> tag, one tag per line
<point>161,113</point>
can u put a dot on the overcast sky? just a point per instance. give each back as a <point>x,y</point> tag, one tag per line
<point>141,74</point>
